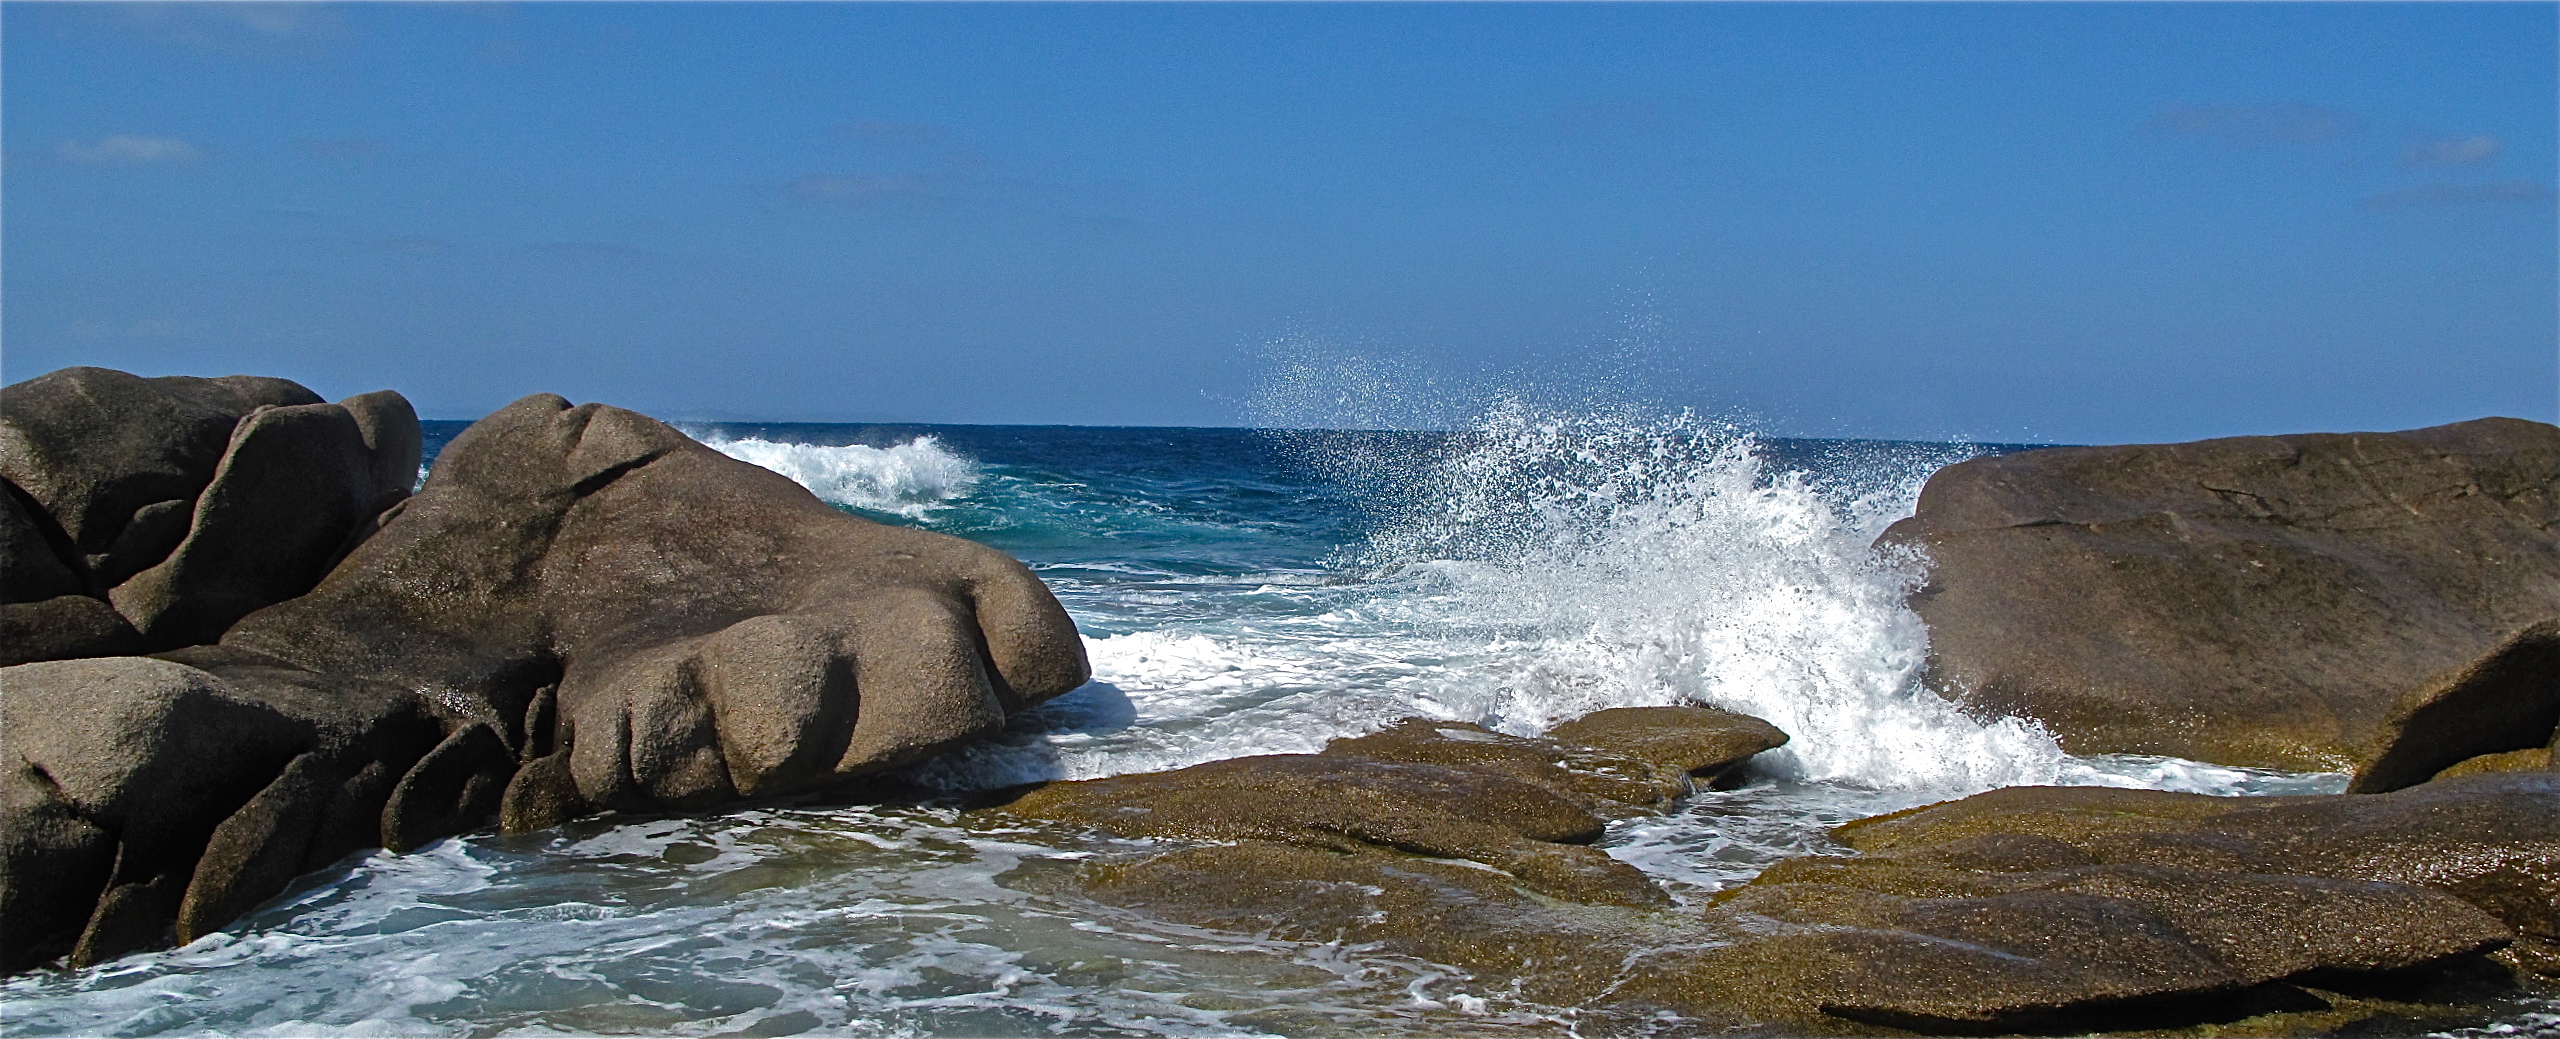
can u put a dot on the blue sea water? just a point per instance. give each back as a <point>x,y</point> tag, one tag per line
<point>1240,592</point>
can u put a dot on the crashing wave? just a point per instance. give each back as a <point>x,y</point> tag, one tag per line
<point>910,480</point>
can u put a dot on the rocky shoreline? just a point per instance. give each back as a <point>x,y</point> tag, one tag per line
<point>241,649</point>
<point>2026,909</point>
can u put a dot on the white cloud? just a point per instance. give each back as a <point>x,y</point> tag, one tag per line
<point>2453,152</point>
<point>125,148</point>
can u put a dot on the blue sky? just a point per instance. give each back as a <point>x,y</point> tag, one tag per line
<point>2068,223</point>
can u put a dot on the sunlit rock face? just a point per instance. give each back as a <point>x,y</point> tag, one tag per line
<point>583,609</point>
<point>2382,603</point>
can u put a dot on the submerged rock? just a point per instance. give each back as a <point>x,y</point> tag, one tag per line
<point>2376,602</point>
<point>582,609</point>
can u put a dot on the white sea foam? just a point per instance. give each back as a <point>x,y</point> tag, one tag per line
<point>1551,565</point>
<point>760,922</point>
<point>910,479</point>
<point>1582,560</point>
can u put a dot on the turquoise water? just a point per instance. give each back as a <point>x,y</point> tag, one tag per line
<point>1240,592</point>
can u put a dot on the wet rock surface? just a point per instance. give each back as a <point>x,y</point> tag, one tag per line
<point>2026,909</point>
<point>2377,602</point>
<point>1344,802</point>
<point>2491,839</point>
<point>1706,743</point>
<point>583,609</point>
<point>1442,840</point>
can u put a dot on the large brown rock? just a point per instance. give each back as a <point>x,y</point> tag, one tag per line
<point>143,797</point>
<point>63,627</point>
<point>707,629</point>
<point>2040,909</point>
<point>2321,601</point>
<point>582,609</point>
<point>293,484</point>
<point>35,562</point>
<point>184,502</point>
<point>2491,839</point>
<point>91,446</point>
<point>1705,742</point>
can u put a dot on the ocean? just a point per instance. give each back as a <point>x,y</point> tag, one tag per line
<point>1240,592</point>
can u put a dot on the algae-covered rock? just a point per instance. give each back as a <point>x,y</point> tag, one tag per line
<point>1351,804</point>
<point>2038,909</point>
<point>1710,744</point>
<point>1519,805</point>
<point>1991,964</point>
<point>2062,909</point>
<point>2492,839</point>
<point>2535,759</point>
<point>1604,783</point>
<point>1442,840</point>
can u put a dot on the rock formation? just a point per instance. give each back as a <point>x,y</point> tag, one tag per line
<point>147,514</point>
<point>582,609</point>
<point>2381,602</point>
<point>1440,789</point>
<point>585,610</point>
<point>2034,909</point>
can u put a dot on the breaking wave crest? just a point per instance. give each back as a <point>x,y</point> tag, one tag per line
<point>910,480</point>
<point>1601,559</point>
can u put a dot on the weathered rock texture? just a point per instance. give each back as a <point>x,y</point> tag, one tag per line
<point>2383,602</point>
<point>2037,909</point>
<point>1442,839</point>
<point>582,609</point>
<point>1707,743</point>
<point>2491,839</point>
<point>148,514</point>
